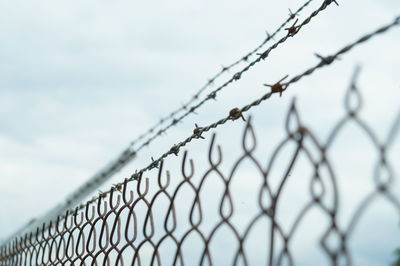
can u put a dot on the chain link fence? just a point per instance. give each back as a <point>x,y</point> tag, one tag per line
<point>196,217</point>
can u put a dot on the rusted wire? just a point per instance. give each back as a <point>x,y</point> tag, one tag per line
<point>112,232</point>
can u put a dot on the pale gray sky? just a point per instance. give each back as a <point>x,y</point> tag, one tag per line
<point>81,79</point>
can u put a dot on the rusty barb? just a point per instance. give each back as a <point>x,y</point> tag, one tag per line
<point>102,194</point>
<point>278,87</point>
<point>292,15</point>
<point>292,29</point>
<point>118,187</point>
<point>197,132</point>
<point>236,113</point>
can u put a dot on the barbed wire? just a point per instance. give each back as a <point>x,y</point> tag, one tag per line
<point>212,95</point>
<point>224,69</point>
<point>237,113</point>
<point>238,75</point>
<point>129,153</point>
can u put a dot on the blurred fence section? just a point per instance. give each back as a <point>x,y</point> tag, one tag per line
<point>202,217</point>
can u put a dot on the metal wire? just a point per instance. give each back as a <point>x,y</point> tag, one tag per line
<point>236,113</point>
<point>130,152</point>
<point>131,228</point>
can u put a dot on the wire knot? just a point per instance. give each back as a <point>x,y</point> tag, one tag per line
<point>291,14</point>
<point>212,95</point>
<point>154,163</point>
<point>174,150</point>
<point>192,109</point>
<point>326,59</point>
<point>236,113</point>
<point>135,175</point>
<point>197,132</point>
<point>292,29</point>
<point>118,187</point>
<point>237,76</point>
<point>277,87</point>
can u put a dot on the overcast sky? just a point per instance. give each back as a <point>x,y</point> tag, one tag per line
<point>81,79</point>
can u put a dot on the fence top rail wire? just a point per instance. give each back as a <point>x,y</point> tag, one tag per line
<point>233,115</point>
<point>130,153</point>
